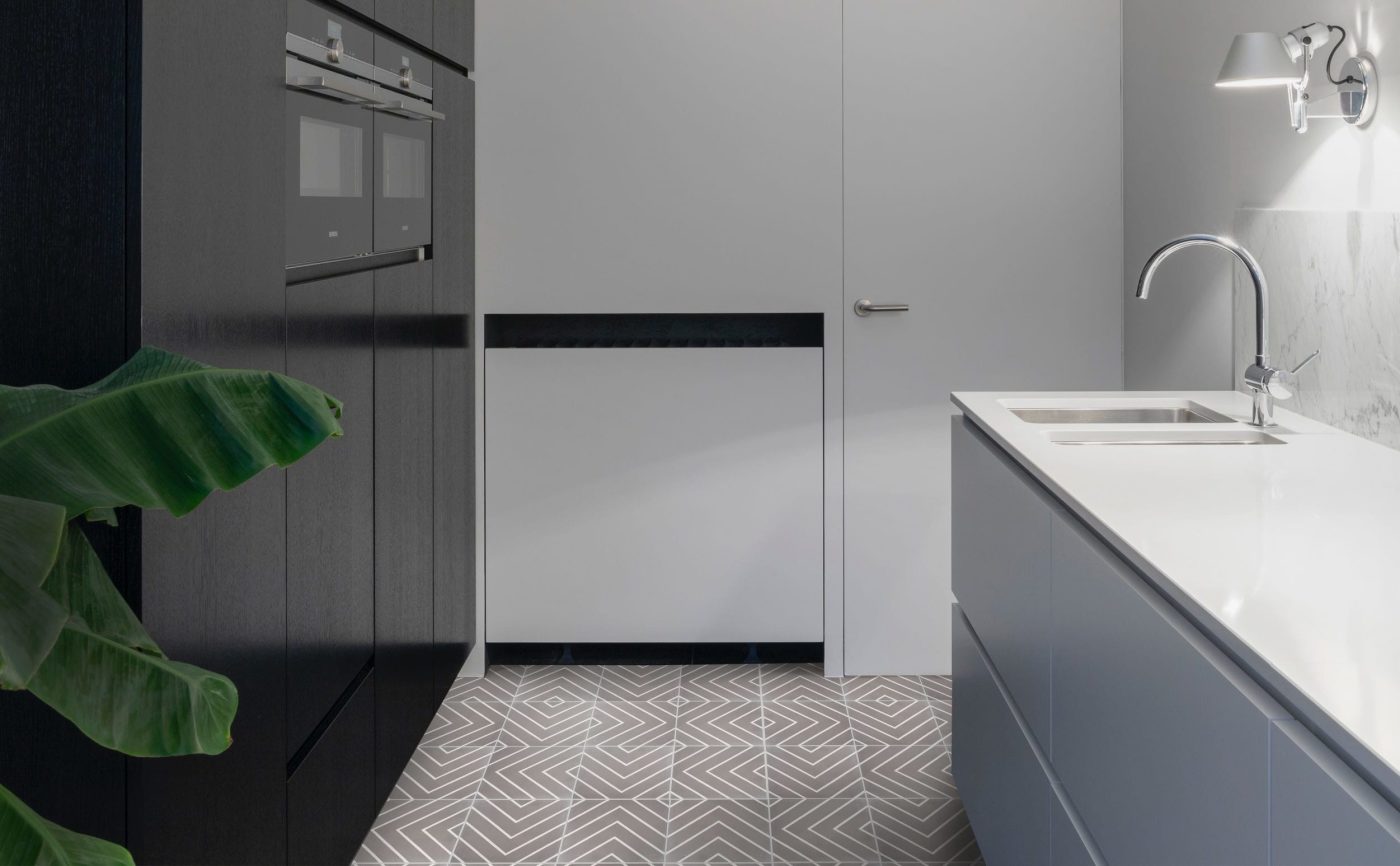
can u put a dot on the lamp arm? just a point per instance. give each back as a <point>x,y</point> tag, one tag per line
<point>1298,94</point>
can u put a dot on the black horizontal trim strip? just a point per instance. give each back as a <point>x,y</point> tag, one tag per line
<point>325,723</point>
<point>654,331</point>
<point>651,653</point>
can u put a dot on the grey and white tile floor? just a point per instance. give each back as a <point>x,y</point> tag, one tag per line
<point>713,764</point>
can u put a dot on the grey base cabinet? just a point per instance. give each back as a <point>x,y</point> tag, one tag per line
<point>1154,747</point>
<point>1148,715</point>
<point>1005,793</point>
<point>1322,812</point>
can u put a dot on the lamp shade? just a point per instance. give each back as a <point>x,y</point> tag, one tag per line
<point>1257,60</point>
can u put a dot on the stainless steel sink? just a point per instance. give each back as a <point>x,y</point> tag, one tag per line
<point>1189,413</point>
<point>1164,437</point>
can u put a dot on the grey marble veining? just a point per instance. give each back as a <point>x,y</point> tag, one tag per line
<point>1334,281</point>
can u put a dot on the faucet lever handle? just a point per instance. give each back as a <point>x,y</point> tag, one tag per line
<point>1306,361</point>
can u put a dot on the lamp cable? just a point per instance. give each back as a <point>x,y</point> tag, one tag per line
<point>1333,54</point>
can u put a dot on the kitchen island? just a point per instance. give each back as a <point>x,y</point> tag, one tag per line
<point>1175,639</point>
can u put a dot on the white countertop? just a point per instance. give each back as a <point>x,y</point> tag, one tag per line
<point>1293,550</point>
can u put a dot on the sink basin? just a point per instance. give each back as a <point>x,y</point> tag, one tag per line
<point>1164,437</point>
<point>1183,413</point>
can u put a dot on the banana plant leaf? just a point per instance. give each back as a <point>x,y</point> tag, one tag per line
<point>108,677</point>
<point>162,431</point>
<point>26,839</point>
<point>30,620</point>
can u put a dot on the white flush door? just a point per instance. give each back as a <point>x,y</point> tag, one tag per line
<point>983,165</point>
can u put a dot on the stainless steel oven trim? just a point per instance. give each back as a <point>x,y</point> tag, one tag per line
<point>407,106</point>
<point>314,53</point>
<point>325,82</point>
<point>394,81</point>
<point>317,53</point>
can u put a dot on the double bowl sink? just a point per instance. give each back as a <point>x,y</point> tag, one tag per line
<point>1174,422</point>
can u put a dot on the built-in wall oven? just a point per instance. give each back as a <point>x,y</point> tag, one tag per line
<point>359,144</point>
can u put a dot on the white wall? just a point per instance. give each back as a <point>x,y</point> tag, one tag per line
<point>1195,154</point>
<point>642,156</point>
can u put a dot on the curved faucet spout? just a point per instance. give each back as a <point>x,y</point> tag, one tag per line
<point>1264,381</point>
<point>1256,274</point>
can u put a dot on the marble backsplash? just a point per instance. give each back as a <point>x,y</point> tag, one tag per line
<point>1334,285</point>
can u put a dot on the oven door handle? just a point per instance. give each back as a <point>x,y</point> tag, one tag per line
<point>410,108</point>
<point>324,82</point>
<point>335,86</point>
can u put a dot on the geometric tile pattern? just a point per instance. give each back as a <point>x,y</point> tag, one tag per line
<point>645,765</point>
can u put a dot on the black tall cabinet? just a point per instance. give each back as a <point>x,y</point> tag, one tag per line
<point>142,202</point>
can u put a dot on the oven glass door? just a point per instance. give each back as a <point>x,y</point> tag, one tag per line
<point>403,178</point>
<point>329,203</point>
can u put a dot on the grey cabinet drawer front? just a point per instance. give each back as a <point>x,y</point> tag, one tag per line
<point>1321,811</point>
<point>1161,742</point>
<point>1003,786</point>
<point>1069,843</point>
<point>1001,568</point>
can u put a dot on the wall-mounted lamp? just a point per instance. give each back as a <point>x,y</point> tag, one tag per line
<point>1265,60</point>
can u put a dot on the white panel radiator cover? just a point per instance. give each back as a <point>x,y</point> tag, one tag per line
<point>653,495</point>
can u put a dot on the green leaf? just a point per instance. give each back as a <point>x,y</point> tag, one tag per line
<point>80,584</point>
<point>26,839</point>
<point>30,620</point>
<point>161,432</point>
<point>29,536</point>
<point>108,677</point>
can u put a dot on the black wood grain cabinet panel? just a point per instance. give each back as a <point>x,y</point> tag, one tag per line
<point>403,515</point>
<point>454,30</point>
<point>330,797</point>
<point>211,280</point>
<point>411,18</point>
<point>63,205</point>
<point>454,465</point>
<point>330,503</point>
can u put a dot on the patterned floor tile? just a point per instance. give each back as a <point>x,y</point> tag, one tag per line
<point>822,831</point>
<point>414,832</point>
<point>465,725</point>
<point>727,724</point>
<point>547,724</point>
<point>531,774</point>
<point>906,723</point>
<point>620,773</point>
<point>799,682</point>
<point>720,683</point>
<point>883,689</point>
<point>759,765</point>
<point>615,831</point>
<point>640,683</point>
<point>923,831</point>
<point>500,684</point>
<point>442,774</point>
<point>719,831</point>
<point>639,723</point>
<point>820,772</point>
<point>939,691</point>
<point>560,683</point>
<point>806,723</point>
<point>501,831</point>
<point>906,772</point>
<point>719,773</point>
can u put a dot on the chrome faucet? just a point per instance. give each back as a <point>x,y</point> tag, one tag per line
<point>1265,383</point>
